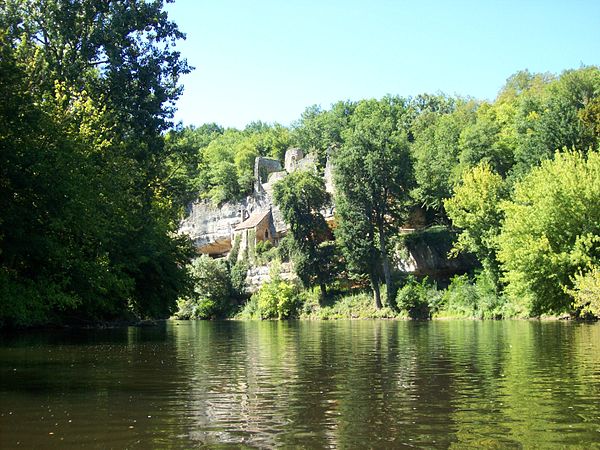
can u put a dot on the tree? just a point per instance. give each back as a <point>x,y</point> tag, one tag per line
<point>321,130</point>
<point>475,208</point>
<point>184,147</point>
<point>485,141</point>
<point>212,292</point>
<point>551,231</point>
<point>270,140</point>
<point>373,178</point>
<point>91,235</point>
<point>554,114</point>
<point>301,196</point>
<point>586,292</point>
<point>436,153</point>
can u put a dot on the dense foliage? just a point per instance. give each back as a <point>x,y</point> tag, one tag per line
<point>551,231</point>
<point>301,196</point>
<point>500,175</point>
<point>94,178</point>
<point>373,176</point>
<point>213,293</point>
<point>87,224</point>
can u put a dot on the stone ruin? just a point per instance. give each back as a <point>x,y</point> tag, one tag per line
<point>212,228</point>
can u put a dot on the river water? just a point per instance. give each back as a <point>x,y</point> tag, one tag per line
<point>344,384</point>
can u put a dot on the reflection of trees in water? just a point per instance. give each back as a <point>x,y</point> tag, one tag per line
<point>388,383</point>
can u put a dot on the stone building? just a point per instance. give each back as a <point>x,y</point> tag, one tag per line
<point>259,227</point>
<point>292,156</point>
<point>213,228</point>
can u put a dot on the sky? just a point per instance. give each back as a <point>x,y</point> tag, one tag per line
<point>269,60</point>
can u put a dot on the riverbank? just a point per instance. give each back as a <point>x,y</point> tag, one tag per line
<point>360,306</point>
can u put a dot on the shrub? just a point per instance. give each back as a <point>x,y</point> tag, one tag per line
<point>263,247</point>
<point>277,299</point>
<point>418,299</point>
<point>286,248</point>
<point>235,250</point>
<point>238,278</point>
<point>212,290</point>
<point>356,306</point>
<point>474,298</point>
<point>586,293</point>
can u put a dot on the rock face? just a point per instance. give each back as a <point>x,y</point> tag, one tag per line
<point>263,167</point>
<point>427,254</point>
<point>259,275</point>
<point>292,156</point>
<point>211,227</point>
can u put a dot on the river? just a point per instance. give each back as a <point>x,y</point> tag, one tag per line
<point>343,384</point>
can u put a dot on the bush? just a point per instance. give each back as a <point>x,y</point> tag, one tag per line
<point>238,278</point>
<point>277,299</point>
<point>212,290</point>
<point>235,250</point>
<point>586,293</point>
<point>286,248</point>
<point>419,300</point>
<point>353,306</point>
<point>263,247</point>
<point>474,298</point>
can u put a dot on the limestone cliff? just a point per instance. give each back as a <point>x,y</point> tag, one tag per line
<point>425,252</point>
<point>211,227</point>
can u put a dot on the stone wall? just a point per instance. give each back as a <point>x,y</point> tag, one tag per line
<point>259,275</point>
<point>262,168</point>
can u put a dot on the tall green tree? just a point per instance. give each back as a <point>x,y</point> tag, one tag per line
<point>320,131</point>
<point>184,147</point>
<point>301,197</point>
<point>551,231</point>
<point>436,151</point>
<point>475,209</point>
<point>373,178</point>
<point>91,234</point>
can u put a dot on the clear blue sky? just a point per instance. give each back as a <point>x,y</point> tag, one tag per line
<point>270,59</point>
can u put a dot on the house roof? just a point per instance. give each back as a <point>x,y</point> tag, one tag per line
<point>253,220</point>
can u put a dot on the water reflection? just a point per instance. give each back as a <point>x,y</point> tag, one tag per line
<point>312,384</point>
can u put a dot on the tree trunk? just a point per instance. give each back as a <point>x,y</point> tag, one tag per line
<point>323,293</point>
<point>387,271</point>
<point>376,291</point>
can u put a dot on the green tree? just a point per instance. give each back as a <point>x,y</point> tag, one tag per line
<point>551,231</point>
<point>551,115</point>
<point>373,178</point>
<point>184,146</point>
<point>485,140</point>
<point>475,208</point>
<point>270,140</point>
<point>89,88</point>
<point>436,153</point>
<point>301,196</point>
<point>212,292</point>
<point>320,131</point>
<point>586,292</point>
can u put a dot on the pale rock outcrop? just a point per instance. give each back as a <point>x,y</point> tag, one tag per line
<point>211,227</point>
